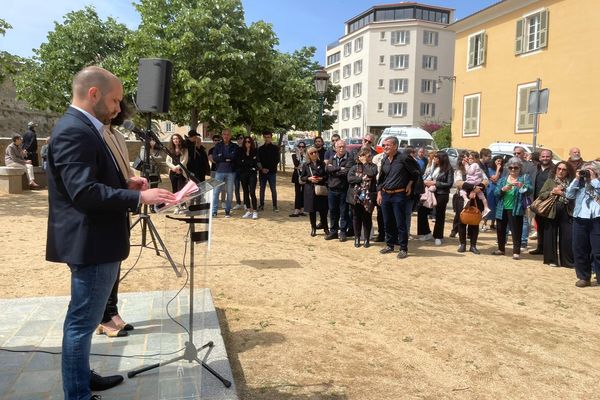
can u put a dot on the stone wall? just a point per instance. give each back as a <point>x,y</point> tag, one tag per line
<point>14,114</point>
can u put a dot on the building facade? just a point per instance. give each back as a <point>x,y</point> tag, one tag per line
<point>502,51</point>
<point>388,64</point>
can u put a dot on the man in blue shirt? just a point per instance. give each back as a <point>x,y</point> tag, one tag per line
<point>223,155</point>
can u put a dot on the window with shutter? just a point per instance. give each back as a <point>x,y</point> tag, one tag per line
<point>472,51</point>
<point>532,32</point>
<point>519,37</point>
<point>471,115</point>
<point>477,50</point>
<point>524,118</point>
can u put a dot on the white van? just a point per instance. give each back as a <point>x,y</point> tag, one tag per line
<point>407,136</point>
<point>508,147</point>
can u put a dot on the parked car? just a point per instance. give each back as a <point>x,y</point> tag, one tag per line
<point>353,144</point>
<point>407,136</point>
<point>508,147</point>
<point>453,155</point>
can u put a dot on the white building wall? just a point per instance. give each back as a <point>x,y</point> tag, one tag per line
<point>373,48</point>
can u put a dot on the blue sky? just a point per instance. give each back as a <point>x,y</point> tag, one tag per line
<point>297,23</point>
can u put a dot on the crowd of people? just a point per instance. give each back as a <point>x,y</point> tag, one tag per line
<point>526,196</point>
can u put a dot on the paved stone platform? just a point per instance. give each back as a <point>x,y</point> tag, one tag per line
<point>36,324</point>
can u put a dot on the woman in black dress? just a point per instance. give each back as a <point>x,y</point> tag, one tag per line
<point>314,174</point>
<point>247,164</point>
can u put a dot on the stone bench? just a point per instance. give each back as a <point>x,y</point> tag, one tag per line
<point>11,180</point>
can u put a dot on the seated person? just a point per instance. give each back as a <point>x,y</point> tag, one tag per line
<point>14,157</point>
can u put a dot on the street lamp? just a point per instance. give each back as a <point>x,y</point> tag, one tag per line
<point>321,80</point>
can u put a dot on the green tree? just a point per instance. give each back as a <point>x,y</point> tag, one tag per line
<point>443,136</point>
<point>82,39</point>
<point>8,62</point>
<point>206,41</point>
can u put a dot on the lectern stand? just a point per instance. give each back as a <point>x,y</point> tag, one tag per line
<point>194,210</point>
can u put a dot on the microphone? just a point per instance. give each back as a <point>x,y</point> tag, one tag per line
<point>143,135</point>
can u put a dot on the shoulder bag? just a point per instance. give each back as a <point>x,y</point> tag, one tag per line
<point>545,208</point>
<point>470,215</point>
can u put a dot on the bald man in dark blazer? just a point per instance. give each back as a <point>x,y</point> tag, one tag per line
<point>87,219</point>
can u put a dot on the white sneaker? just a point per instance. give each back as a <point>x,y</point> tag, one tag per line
<point>485,212</point>
<point>255,215</point>
<point>248,214</point>
<point>438,242</point>
<point>423,238</point>
<point>237,207</point>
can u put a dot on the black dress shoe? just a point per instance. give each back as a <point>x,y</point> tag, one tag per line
<point>536,252</point>
<point>99,383</point>
<point>367,244</point>
<point>462,248</point>
<point>331,236</point>
<point>386,249</point>
<point>325,230</point>
<point>319,226</point>
<point>474,250</point>
<point>356,242</point>
<point>343,237</point>
<point>453,234</point>
<point>313,232</point>
<point>379,239</point>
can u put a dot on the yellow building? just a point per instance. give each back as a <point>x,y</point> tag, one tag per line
<point>502,50</point>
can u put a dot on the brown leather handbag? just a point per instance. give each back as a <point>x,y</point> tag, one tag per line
<point>470,215</point>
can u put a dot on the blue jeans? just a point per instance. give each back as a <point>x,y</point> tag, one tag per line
<point>90,287</point>
<point>394,211</point>
<point>270,177</point>
<point>338,211</point>
<point>229,179</point>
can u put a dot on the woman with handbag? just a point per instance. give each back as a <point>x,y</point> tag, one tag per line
<point>298,158</point>
<point>463,225</point>
<point>315,191</point>
<point>558,211</point>
<point>511,193</point>
<point>440,179</point>
<point>362,195</point>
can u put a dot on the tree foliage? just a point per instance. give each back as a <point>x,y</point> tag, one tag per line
<point>443,136</point>
<point>224,72</point>
<point>8,62</point>
<point>82,39</point>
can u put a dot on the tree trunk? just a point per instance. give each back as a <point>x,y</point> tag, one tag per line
<point>194,119</point>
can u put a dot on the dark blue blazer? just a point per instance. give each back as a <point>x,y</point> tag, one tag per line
<point>88,196</point>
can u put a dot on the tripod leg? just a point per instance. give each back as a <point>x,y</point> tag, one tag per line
<point>135,372</point>
<point>164,248</point>
<point>225,382</point>
<point>153,238</point>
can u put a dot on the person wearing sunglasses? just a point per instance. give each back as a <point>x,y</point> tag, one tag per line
<point>510,193</point>
<point>299,159</point>
<point>313,174</point>
<point>558,225</point>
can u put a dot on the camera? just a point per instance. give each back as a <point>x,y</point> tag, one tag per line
<point>584,174</point>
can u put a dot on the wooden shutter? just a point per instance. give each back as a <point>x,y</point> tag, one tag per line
<point>543,28</point>
<point>433,86</point>
<point>482,48</point>
<point>432,109</point>
<point>390,109</point>
<point>405,61</point>
<point>472,43</point>
<point>435,63</point>
<point>422,109</point>
<point>404,85</point>
<point>406,37</point>
<point>424,66</point>
<point>423,86</point>
<point>467,116</point>
<point>520,39</point>
<point>522,111</point>
<point>437,36</point>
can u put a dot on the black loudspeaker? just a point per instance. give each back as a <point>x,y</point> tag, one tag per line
<point>154,85</point>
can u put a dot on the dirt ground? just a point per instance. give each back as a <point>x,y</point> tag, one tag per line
<point>304,318</point>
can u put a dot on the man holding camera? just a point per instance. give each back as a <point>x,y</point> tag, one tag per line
<point>585,189</point>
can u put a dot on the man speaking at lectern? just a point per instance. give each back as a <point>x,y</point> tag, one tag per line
<point>88,227</point>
